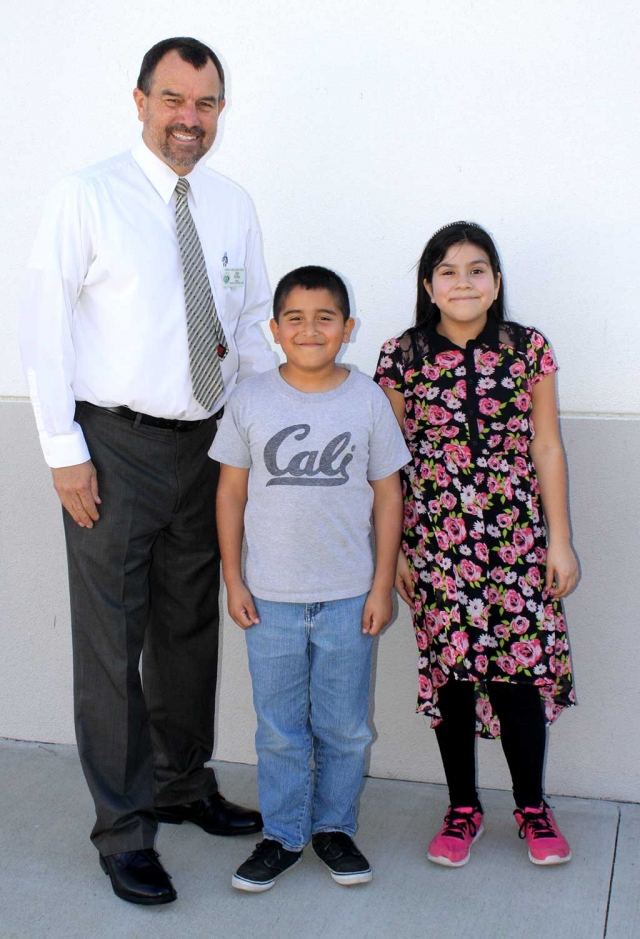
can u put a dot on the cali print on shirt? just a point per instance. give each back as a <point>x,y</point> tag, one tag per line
<point>308,467</point>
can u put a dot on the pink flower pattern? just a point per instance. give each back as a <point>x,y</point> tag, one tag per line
<point>474,532</point>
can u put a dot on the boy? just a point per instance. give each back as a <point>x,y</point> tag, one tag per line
<point>309,453</point>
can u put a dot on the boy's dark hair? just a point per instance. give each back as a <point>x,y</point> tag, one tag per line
<point>190,50</point>
<point>435,250</point>
<point>312,278</point>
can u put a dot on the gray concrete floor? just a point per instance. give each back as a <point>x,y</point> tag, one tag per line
<point>51,885</point>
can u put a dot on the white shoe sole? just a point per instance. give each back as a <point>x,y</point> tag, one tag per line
<point>551,860</point>
<point>445,862</point>
<point>254,886</point>
<point>348,880</point>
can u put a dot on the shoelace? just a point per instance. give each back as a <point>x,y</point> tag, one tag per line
<point>340,840</point>
<point>267,849</point>
<point>539,824</point>
<point>455,821</point>
<point>150,854</point>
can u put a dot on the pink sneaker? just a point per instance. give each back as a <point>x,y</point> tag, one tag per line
<point>547,844</point>
<point>451,847</point>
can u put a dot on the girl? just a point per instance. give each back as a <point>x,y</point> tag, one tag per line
<point>476,398</point>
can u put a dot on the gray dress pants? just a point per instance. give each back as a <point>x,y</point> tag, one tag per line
<point>144,584</point>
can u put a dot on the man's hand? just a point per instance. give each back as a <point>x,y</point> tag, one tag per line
<point>77,488</point>
<point>377,611</point>
<point>241,606</point>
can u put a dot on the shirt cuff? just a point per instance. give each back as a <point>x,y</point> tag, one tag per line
<point>64,449</point>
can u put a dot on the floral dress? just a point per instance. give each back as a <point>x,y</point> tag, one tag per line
<point>474,535</point>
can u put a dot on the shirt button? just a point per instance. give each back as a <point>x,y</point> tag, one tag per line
<point>474,442</point>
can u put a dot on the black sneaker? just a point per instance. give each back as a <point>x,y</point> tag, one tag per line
<point>268,861</point>
<point>346,864</point>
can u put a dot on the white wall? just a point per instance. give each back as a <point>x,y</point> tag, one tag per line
<point>358,128</point>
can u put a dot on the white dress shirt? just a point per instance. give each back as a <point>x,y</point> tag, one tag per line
<point>104,316</point>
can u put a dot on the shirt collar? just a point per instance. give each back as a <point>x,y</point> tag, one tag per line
<point>160,175</point>
<point>490,336</point>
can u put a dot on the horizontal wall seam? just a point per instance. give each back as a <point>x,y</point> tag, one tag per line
<point>600,415</point>
<point>577,415</point>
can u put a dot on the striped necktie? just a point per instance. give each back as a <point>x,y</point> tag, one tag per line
<point>204,331</point>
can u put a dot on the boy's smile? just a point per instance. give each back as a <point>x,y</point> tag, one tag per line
<point>311,329</point>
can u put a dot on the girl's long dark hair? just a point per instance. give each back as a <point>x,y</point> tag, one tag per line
<point>427,313</point>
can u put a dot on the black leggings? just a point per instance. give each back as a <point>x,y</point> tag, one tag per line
<point>523,737</point>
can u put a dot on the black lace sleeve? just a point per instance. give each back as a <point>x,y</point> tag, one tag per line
<point>401,355</point>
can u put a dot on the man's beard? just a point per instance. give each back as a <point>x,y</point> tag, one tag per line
<point>175,156</point>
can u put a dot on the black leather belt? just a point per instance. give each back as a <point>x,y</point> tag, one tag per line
<point>138,418</point>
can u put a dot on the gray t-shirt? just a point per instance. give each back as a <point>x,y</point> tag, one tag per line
<point>308,515</point>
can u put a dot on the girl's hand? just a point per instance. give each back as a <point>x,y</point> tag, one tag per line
<point>562,569</point>
<point>404,581</point>
<point>241,606</point>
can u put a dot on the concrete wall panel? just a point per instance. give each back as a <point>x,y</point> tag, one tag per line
<point>594,749</point>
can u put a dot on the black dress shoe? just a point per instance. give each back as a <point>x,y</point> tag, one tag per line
<point>215,815</point>
<point>139,877</point>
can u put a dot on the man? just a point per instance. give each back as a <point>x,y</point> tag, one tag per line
<point>144,298</point>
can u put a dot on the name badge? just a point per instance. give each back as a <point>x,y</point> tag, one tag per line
<point>233,276</point>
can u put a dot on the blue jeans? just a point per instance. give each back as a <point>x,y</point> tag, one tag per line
<point>310,667</point>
